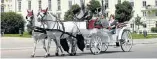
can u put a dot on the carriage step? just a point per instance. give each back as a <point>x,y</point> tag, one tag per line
<point>117,44</point>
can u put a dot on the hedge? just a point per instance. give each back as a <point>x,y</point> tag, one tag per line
<point>12,22</point>
<point>154,29</point>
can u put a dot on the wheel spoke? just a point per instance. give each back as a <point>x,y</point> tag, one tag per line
<point>127,44</point>
<point>96,45</point>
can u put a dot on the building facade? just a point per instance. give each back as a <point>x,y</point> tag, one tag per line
<point>146,9</point>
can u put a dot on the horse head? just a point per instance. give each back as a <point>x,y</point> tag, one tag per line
<point>42,15</point>
<point>30,15</point>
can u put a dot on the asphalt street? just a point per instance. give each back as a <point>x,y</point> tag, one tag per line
<point>12,47</point>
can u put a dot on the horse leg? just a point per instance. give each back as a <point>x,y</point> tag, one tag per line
<point>48,47</point>
<point>73,50</point>
<point>44,47</point>
<point>57,50</point>
<point>59,46</point>
<point>35,42</point>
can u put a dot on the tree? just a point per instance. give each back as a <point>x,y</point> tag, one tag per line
<point>138,21</point>
<point>94,6</point>
<point>123,11</point>
<point>70,13</point>
<point>12,22</point>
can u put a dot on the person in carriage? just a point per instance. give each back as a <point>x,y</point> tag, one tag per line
<point>112,24</point>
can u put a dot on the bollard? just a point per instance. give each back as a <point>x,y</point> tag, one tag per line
<point>20,32</point>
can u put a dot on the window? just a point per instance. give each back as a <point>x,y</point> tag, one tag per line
<point>59,15</point>
<point>156,23</point>
<point>119,1</point>
<point>10,0</point>
<point>132,25</point>
<point>39,4</point>
<point>29,5</point>
<point>144,3</point>
<point>19,5</point>
<point>156,13</point>
<point>144,14</point>
<point>155,2</point>
<point>49,4</point>
<point>70,4</point>
<point>132,4</point>
<point>2,8</point>
<point>106,4</point>
<point>59,4</point>
<point>2,1</point>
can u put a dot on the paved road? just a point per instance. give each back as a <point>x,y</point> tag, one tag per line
<point>22,48</point>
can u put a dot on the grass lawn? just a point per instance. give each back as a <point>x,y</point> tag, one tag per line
<point>25,34</point>
<point>134,35</point>
<point>140,36</point>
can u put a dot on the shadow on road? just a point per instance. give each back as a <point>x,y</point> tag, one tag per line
<point>83,54</point>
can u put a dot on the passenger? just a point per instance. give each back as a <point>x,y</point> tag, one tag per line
<point>112,24</point>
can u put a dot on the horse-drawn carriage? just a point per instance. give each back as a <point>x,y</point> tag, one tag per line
<point>93,37</point>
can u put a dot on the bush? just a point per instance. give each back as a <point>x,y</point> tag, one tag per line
<point>12,22</point>
<point>154,29</point>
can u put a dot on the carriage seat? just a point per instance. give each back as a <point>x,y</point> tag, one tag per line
<point>92,24</point>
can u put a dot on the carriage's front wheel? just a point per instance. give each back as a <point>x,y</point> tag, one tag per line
<point>126,41</point>
<point>95,44</point>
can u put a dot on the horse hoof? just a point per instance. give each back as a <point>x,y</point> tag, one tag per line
<point>62,54</point>
<point>56,54</point>
<point>32,56</point>
<point>72,54</point>
<point>48,55</point>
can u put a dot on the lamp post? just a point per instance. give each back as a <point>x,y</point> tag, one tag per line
<point>102,6</point>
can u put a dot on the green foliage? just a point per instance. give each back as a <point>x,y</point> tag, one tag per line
<point>69,14</point>
<point>138,21</point>
<point>25,35</point>
<point>154,29</point>
<point>141,36</point>
<point>123,11</point>
<point>12,22</point>
<point>94,5</point>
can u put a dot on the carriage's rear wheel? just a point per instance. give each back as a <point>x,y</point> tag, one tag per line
<point>95,44</point>
<point>126,41</point>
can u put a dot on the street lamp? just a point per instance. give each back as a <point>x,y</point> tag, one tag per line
<point>102,6</point>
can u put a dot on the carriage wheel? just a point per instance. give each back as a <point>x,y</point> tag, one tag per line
<point>95,44</point>
<point>105,46</point>
<point>126,41</point>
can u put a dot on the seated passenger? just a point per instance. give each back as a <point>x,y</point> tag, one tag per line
<point>112,24</point>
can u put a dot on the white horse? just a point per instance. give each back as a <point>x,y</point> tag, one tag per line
<point>58,31</point>
<point>38,32</point>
